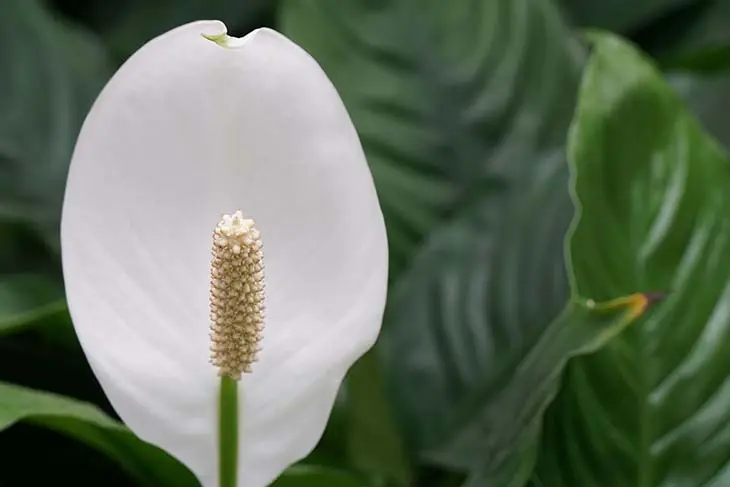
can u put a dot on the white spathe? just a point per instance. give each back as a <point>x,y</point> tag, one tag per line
<point>186,131</point>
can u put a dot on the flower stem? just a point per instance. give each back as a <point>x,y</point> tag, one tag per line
<point>228,433</point>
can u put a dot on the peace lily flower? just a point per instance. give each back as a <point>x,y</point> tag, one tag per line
<point>224,251</point>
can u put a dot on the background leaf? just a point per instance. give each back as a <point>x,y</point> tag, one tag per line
<point>23,250</point>
<point>696,38</point>
<point>620,15</point>
<point>25,299</point>
<point>451,100</point>
<point>475,301</point>
<point>708,96</point>
<point>312,476</point>
<point>496,436</point>
<point>652,408</point>
<point>51,74</point>
<point>374,441</point>
<point>146,463</point>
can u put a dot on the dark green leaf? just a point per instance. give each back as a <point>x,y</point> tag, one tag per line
<point>653,407</point>
<point>50,75</point>
<point>497,438</point>
<point>619,15</point>
<point>311,476</point>
<point>451,99</point>
<point>23,250</point>
<point>26,299</point>
<point>149,465</point>
<point>476,300</point>
<point>697,40</point>
<point>708,97</point>
<point>709,59</point>
<point>473,381</point>
<point>375,445</point>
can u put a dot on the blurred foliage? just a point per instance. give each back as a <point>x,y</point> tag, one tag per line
<point>486,123</point>
<point>52,72</point>
<point>445,120</point>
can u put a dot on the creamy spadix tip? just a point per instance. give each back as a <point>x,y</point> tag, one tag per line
<point>237,295</point>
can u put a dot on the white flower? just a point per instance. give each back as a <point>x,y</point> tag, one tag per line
<point>190,129</point>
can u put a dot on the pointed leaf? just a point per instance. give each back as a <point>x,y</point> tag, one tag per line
<point>653,407</point>
<point>149,465</point>
<point>495,438</point>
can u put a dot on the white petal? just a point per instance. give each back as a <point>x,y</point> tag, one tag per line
<point>185,131</point>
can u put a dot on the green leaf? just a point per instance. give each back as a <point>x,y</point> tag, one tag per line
<point>497,439</point>
<point>312,476</point>
<point>51,73</point>
<point>474,369</point>
<point>697,40</point>
<point>451,100</point>
<point>149,465</point>
<point>26,299</point>
<point>708,97</point>
<point>476,300</point>
<point>620,15</point>
<point>23,250</point>
<point>375,444</point>
<point>653,407</point>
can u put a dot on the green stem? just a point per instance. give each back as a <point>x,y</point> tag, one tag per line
<point>228,433</point>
